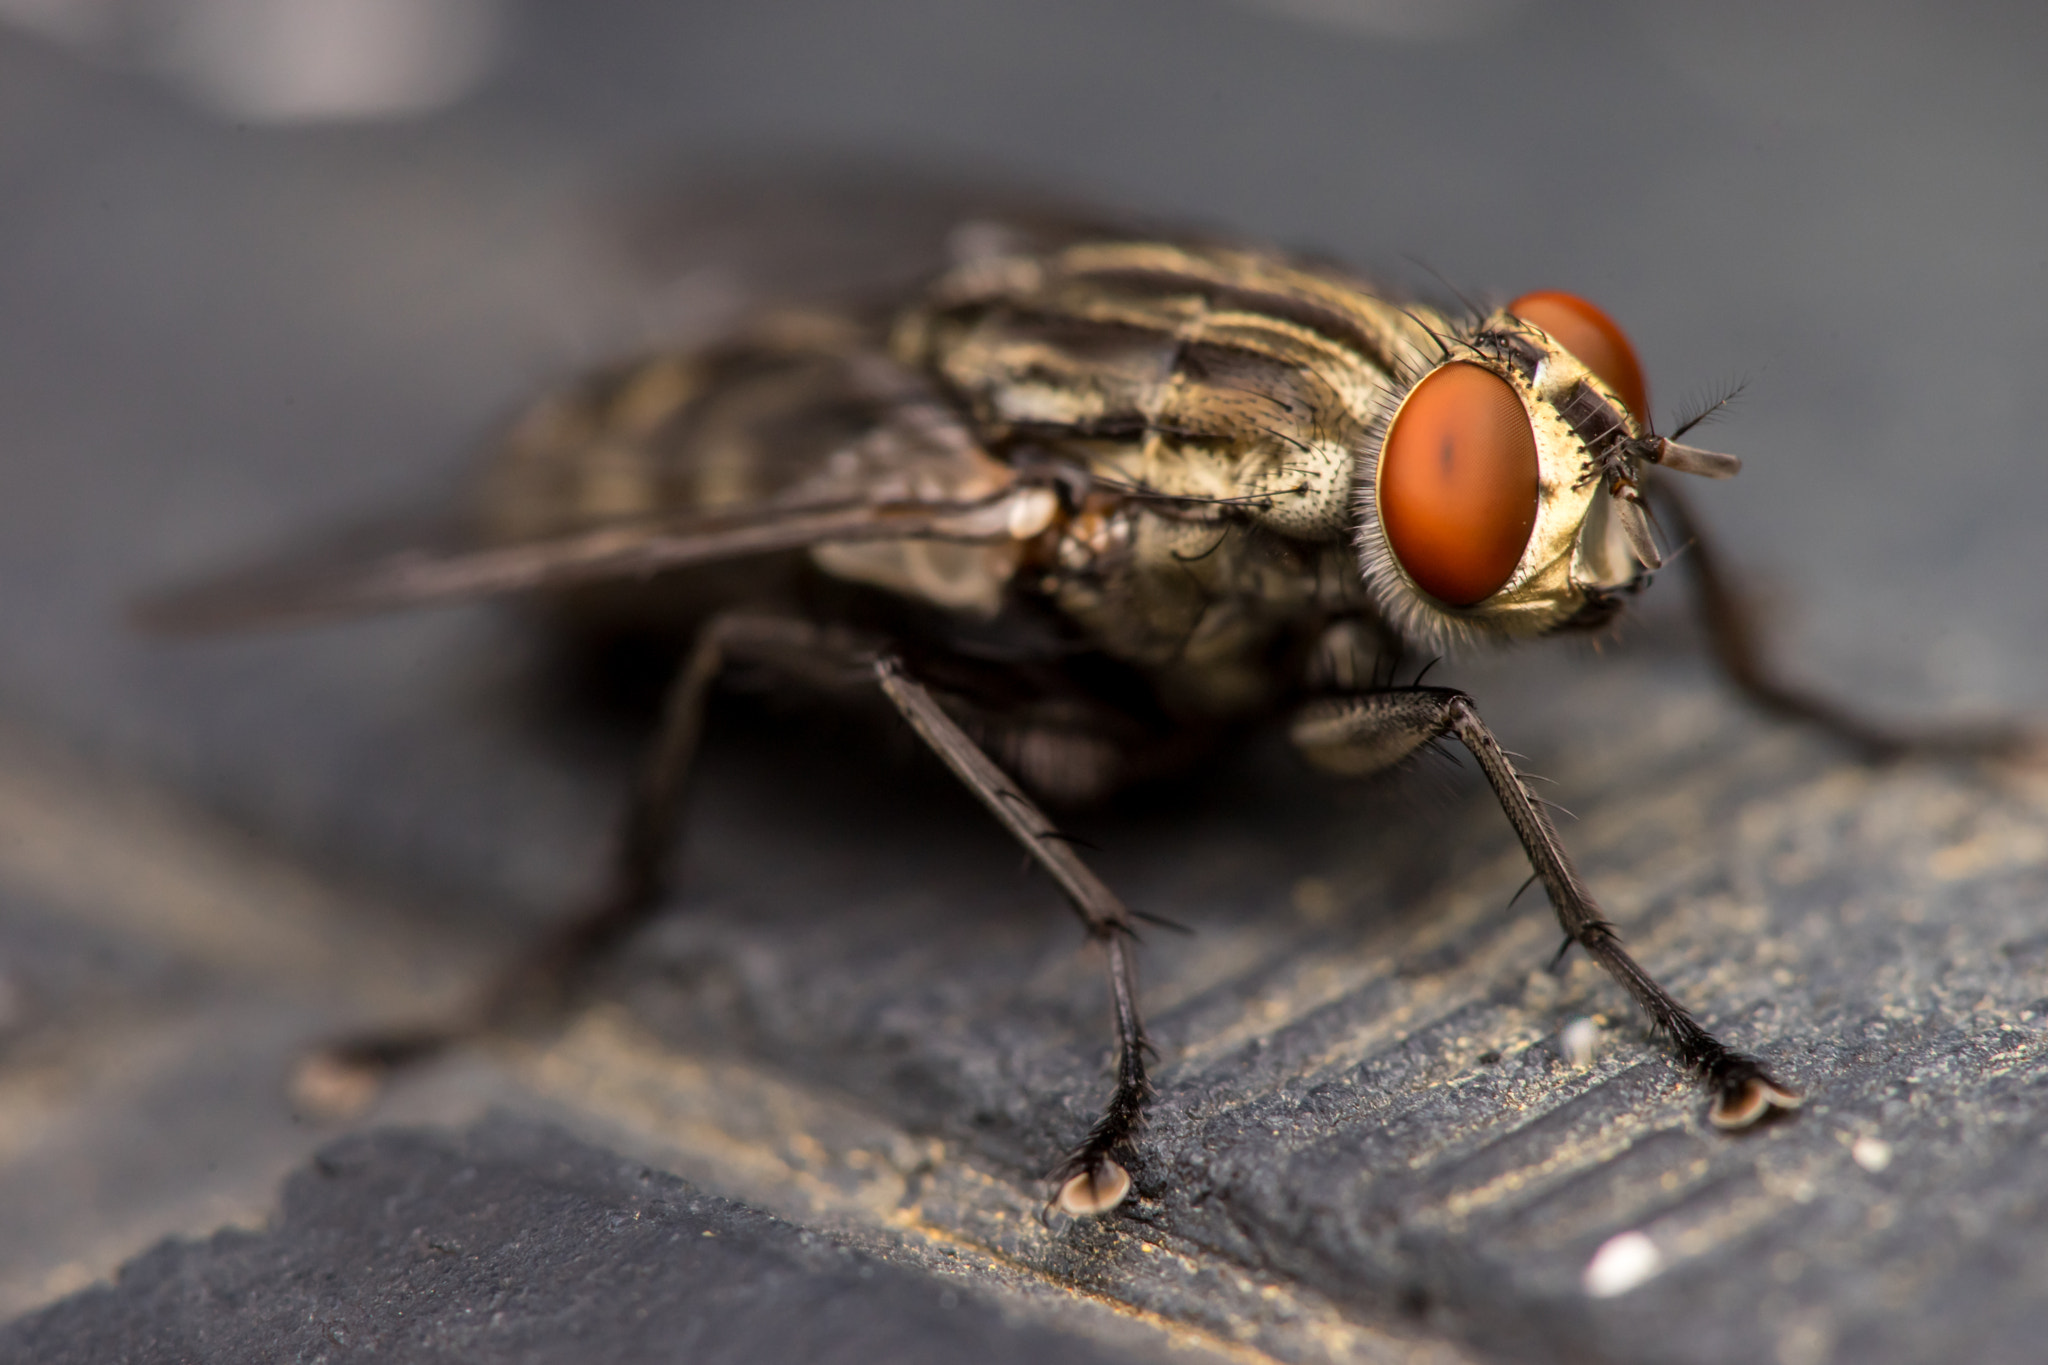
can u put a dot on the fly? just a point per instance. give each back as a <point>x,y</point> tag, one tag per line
<point>1077,507</point>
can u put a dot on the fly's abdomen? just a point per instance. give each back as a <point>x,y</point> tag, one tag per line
<point>682,434</point>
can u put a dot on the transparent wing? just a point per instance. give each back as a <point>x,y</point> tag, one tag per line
<point>797,435</point>
<point>286,593</point>
<point>775,425</point>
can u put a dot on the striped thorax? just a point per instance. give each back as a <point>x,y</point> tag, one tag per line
<point>1244,420</point>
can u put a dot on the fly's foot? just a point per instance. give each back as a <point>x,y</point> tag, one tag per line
<point>1744,1092</point>
<point>340,1080</point>
<point>331,1088</point>
<point>1091,1181</point>
<point>1097,1185</point>
<point>2029,747</point>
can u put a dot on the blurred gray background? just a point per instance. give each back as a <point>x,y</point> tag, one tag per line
<point>268,263</point>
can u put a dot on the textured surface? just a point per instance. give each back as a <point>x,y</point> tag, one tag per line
<point>514,1243</point>
<point>1372,1143</point>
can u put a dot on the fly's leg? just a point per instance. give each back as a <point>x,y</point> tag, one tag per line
<point>1091,1180</point>
<point>644,848</point>
<point>343,1076</point>
<point>1732,631</point>
<point>1364,733</point>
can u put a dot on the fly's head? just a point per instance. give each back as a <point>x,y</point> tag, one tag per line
<point>1502,496</point>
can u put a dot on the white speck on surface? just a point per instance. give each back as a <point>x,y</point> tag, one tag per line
<point>1623,1262</point>
<point>1873,1154</point>
<point>1579,1041</point>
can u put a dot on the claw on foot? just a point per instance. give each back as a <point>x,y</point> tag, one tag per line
<point>343,1078</point>
<point>332,1086</point>
<point>2030,747</point>
<point>1090,1192</point>
<point>1748,1100</point>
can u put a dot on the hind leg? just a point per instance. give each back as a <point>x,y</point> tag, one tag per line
<point>343,1076</point>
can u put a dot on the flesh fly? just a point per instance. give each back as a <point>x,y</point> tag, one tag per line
<point>1077,506</point>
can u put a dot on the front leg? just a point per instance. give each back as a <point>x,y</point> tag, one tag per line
<point>1361,734</point>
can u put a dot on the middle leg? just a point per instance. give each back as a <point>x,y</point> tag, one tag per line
<point>1092,1181</point>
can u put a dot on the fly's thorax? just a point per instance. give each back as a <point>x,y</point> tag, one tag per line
<point>1198,604</point>
<point>1485,502</point>
<point>1230,378</point>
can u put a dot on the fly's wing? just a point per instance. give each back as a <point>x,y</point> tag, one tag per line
<point>800,434</point>
<point>768,429</point>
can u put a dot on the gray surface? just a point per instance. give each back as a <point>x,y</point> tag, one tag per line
<point>517,1243</point>
<point>211,336</point>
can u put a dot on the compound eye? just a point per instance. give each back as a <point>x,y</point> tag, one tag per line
<point>1594,338</point>
<point>1457,483</point>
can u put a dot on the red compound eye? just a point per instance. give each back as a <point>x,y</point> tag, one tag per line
<point>1457,483</point>
<point>1596,339</point>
